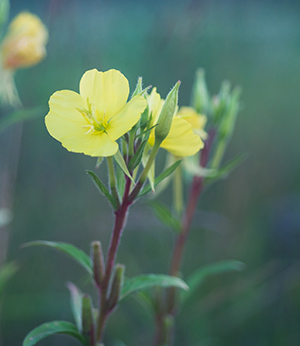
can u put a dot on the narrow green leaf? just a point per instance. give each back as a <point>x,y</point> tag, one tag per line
<point>120,161</point>
<point>6,273</point>
<point>143,282</point>
<point>160,178</point>
<point>76,254</point>
<point>120,182</point>
<point>165,215</point>
<point>51,328</point>
<point>76,304</point>
<point>21,115</point>
<point>196,279</point>
<point>136,159</point>
<point>102,188</point>
<point>223,172</point>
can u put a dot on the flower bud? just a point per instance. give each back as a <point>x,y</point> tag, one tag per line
<point>98,262</point>
<point>88,329</point>
<point>228,120</point>
<point>116,286</point>
<point>24,43</point>
<point>200,97</point>
<point>166,115</point>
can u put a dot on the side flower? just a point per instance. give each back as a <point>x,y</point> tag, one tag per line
<point>90,122</point>
<point>181,140</point>
<point>24,43</point>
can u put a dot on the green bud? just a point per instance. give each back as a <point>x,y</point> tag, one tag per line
<point>116,287</point>
<point>200,96</point>
<point>98,262</point>
<point>139,87</point>
<point>4,12</point>
<point>88,329</point>
<point>228,120</point>
<point>166,115</point>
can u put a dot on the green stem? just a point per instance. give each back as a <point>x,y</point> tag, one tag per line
<point>112,179</point>
<point>177,191</point>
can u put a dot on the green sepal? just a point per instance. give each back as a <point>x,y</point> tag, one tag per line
<point>224,171</point>
<point>99,161</point>
<point>21,115</point>
<point>196,279</point>
<point>160,178</point>
<point>121,163</point>
<point>165,215</point>
<point>7,271</point>
<point>102,188</point>
<point>76,254</point>
<point>88,324</point>
<point>51,328</point>
<point>143,282</point>
<point>76,304</point>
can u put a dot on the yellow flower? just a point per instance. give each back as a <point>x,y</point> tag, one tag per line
<point>198,121</point>
<point>181,140</point>
<point>24,43</point>
<point>92,121</point>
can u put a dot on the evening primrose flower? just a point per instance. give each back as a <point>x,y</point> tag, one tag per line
<point>24,43</point>
<point>90,122</point>
<point>181,140</point>
<point>198,121</point>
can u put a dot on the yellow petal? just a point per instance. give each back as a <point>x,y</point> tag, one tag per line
<point>107,91</point>
<point>126,118</point>
<point>181,140</point>
<point>92,144</point>
<point>63,118</point>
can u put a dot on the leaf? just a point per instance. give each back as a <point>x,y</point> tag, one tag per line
<point>196,279</point>
<point>142,282</point>
<point>223,172</point>
<point>76,254</point>
<point>121,163</point>
<point>120,182</point>
<point>165,215</point>
<point>137,157</point>
<point>6,272</point>
<point>160,178</point>
<point>76,304</point>
<point>102,188</point>
<point>51,328</point>
<point>20,115</point>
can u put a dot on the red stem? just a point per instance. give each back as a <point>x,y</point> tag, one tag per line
<point>120,221</point>
<point>195,192</point>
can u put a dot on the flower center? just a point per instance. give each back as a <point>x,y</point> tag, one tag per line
<point>96,122</point>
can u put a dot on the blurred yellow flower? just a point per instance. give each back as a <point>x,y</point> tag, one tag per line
<point>181,140</point>
<point>198,121</point>
<point>24,43</point>
<point>92,121</point>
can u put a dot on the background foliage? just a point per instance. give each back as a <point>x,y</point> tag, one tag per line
<point>253,216</point>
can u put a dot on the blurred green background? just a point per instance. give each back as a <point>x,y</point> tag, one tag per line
<point>253,216</point>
